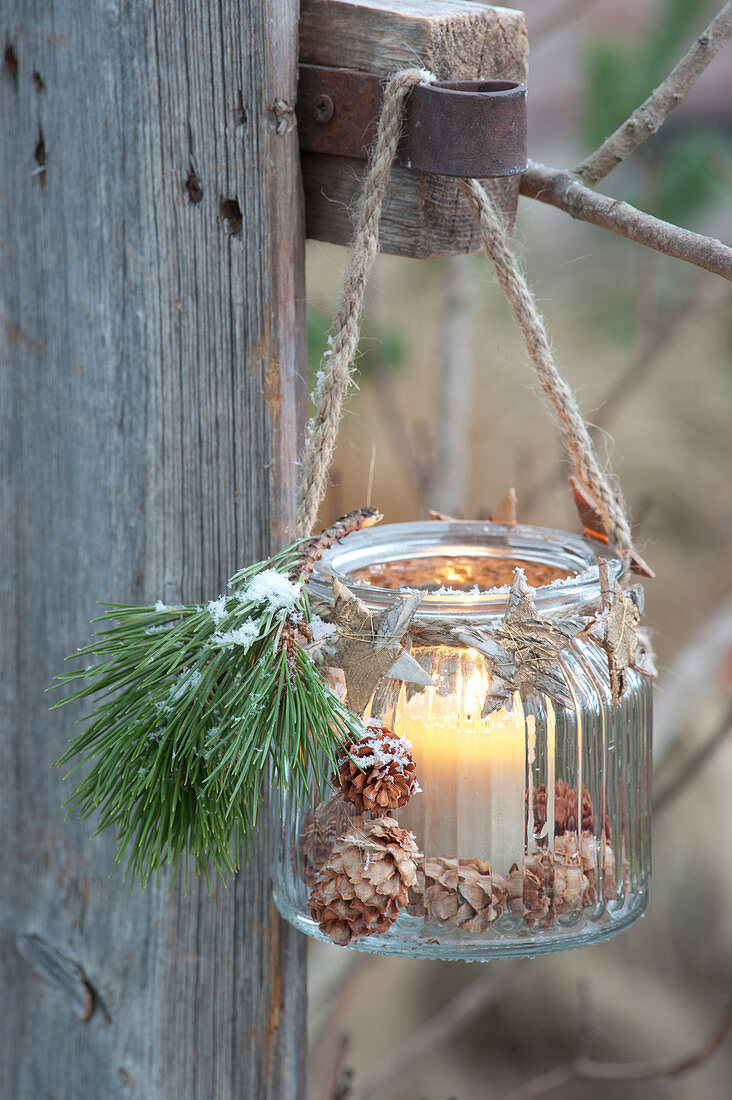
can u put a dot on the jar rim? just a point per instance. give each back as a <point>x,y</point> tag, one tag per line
<point>521,542</point>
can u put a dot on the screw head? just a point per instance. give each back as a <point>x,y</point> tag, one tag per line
<point>322,109</point>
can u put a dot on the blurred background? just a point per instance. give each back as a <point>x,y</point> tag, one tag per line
<point>448,416</point>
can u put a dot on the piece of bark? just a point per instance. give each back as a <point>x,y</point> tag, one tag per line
<point>424,215</point>
<point>368,644</point>
<point>594,528</point>
<point>523,650</point>
<point>506,511</point>
<point>617,629</point>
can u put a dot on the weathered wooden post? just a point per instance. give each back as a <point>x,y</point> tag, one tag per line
<point>151,248</point>
<point>151,402</point>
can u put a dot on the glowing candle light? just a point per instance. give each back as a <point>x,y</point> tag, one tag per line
<point>471,769</point>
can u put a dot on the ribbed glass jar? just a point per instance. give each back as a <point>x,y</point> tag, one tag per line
<point>534,821</point>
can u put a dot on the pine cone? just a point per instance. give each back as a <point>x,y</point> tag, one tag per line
<point>365,884</point>
<point>565,809</point>
<point>539,889</point>
<point>458,893</point>
<point>540,800</point>
<point>515,890</point>
<point>571,884</point>
<point>378,773</point>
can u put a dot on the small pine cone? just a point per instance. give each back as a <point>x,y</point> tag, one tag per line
<point>562,807</point>
<point>378,774</point>
<point>565,809</point>
<point>540,801</point>
<point>539,889</point>
<point>571,885</point>
<point>590,850</point>
<point>515,890</point>
<point>588,812</point>
<point>461,893</point>
<point>364,886</point>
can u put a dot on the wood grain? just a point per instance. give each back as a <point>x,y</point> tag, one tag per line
<point>424,215</point>
<point>151,346</point>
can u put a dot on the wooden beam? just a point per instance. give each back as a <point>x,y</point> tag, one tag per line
<point>151,347</point>
<point>423,215</point>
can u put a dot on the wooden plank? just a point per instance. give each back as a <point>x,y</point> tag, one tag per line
<point>151,345</point>
<point>423,215</point>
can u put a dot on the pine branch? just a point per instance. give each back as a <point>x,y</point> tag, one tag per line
<point>647,119</point>
<point>564,190</point>
<point>196,708</point>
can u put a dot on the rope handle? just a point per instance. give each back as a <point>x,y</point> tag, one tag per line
<point>336,369</point>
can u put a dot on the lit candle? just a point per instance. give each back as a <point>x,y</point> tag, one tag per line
<point>471,770</point>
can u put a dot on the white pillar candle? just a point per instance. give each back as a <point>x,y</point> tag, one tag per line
<point>471,771</point>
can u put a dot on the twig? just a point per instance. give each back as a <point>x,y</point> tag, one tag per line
<point>336,996</point>
<point>690,768</point>
<point>650,116</point>
<point>341,1087</point>
<point>558,19</point>
<point>694,671</point>
<point>654,347</point>
<point>484,989</point>
<point>585,1069</point>
<point>313,549</point>
<point>565,191</point>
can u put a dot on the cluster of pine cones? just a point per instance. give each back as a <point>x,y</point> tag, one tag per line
<point>361,876</point>
<point>365,879</point>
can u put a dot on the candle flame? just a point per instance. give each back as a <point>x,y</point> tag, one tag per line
<point>474,692</point>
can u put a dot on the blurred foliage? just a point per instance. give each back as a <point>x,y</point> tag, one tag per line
<point>682,172</point>
<point>694,172</point>
<point>381,345</point>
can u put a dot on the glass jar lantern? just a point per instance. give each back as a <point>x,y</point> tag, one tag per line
<point>533,821</point>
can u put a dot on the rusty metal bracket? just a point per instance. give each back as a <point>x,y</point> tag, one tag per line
<point>471,128</point>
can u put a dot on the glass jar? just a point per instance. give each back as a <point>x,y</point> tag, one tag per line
<point>534,821</point>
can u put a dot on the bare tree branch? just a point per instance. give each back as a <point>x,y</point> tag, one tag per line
<point>484,989</point>
<point>564,190</point>
<point>585,1069</point>
<point>695,671</point>
<point>657,343</point>
<point>647,119</point>
<point>689,768</point>
<point>341,1083</point>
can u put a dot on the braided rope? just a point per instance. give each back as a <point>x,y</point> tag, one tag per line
<point>335,375</point>
<point>337,366</point>
<point>572,427</point>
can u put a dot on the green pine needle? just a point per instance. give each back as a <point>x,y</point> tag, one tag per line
<point>197,709</point>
